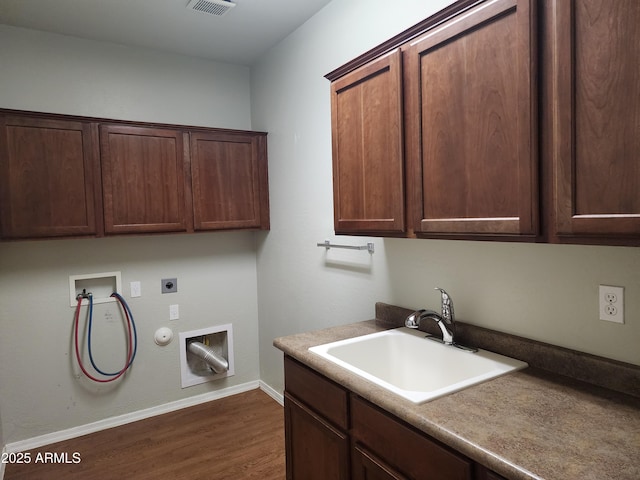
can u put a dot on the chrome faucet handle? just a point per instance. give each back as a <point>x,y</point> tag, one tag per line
<point>413,320</point>
<point>447,306</point>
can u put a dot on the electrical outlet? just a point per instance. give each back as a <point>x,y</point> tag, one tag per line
<point>169,285</point>
<point>611,300</point>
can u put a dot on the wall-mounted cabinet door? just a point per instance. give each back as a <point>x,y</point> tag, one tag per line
<point>596,122</point>
<point>143,174</point>
<point>47,169</point>
<point>229,178</point>
<point>367,139</point>
<point>471,124</point>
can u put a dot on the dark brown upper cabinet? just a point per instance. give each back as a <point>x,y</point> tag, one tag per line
<point>367,142</point>
<point>435,132</point>
<point>521,121</point>
<point>143,176</point>
<point>471,105</point>
<point>229,178</point>
<point>594,135</point>
<point>65,176</point>
<point>49,178</point>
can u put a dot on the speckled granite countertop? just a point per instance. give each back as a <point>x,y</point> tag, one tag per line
<point>527,425</point>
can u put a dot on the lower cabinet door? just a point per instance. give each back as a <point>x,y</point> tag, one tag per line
<point>315,449</point>
<point>483,473</point>
<point>366,466</point>
<point>402,446</point>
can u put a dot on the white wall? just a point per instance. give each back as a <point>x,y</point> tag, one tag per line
<point>39,389</point>
<point>44,391</point>
<point>545,292</point>
<point>53,73</point>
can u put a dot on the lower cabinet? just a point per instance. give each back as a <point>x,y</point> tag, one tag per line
<point>316,424</point>
<point>410,453</point>
<point>333,434</point>
<point>484,474</point>
<point>316,450</point>
<point>367,466</point>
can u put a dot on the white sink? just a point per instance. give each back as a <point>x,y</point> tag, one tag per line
<point>403,361</point>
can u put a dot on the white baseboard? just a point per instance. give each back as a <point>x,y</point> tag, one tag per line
<point>55,437</point>
<point>277,396</point>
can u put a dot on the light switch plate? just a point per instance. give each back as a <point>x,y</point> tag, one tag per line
<point>136,290</point>
<point>174,312</point>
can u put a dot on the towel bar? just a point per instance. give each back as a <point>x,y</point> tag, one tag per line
<point>327,245</point>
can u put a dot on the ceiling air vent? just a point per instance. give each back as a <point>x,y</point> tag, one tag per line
<point>212,7</point>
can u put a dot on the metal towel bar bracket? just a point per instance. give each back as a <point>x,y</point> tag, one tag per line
<point>327,245</point>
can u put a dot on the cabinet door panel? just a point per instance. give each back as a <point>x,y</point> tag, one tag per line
<point>366,466</point>
<point>143,179</point>
<point>308,386</point>
<point>483,473</point>
<point>315,449</point>
<point>367,139</point>
<point>228,181</point>
<point>397,444</point>
<point>472,136</point>
<point>47,171</point>
<point>597,118</point>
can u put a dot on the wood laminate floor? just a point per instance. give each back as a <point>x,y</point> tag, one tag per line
<point>238,437</point>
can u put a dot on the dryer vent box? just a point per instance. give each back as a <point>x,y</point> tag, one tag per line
<point>195,371</point>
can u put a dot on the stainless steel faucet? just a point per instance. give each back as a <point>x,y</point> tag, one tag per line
<point>445,320</point>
